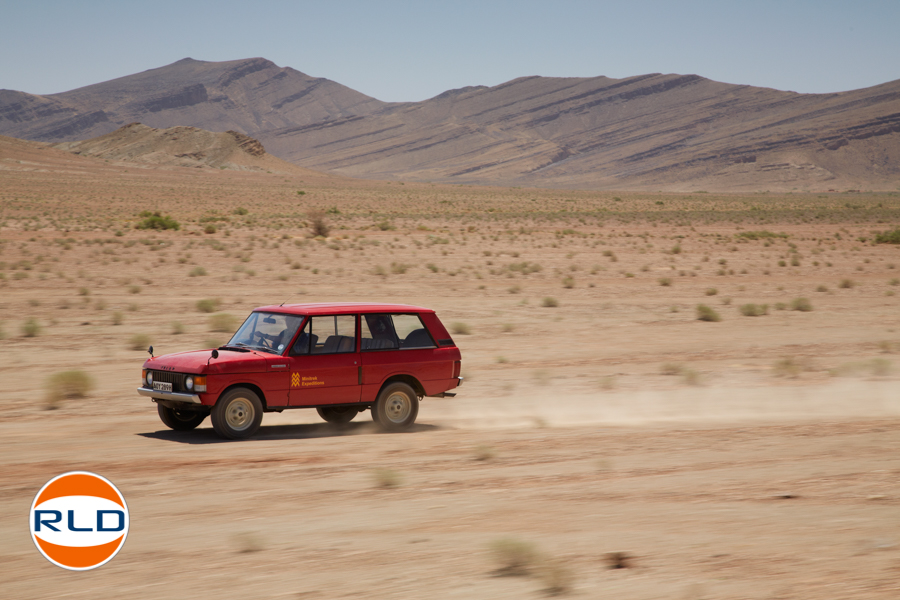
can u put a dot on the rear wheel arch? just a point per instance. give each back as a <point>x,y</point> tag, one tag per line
<point>408,380</point>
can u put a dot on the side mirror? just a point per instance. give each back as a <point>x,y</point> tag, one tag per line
<point>150,350</point>
<point>215,353</point>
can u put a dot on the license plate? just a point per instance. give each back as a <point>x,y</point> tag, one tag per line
<point>162,386</point>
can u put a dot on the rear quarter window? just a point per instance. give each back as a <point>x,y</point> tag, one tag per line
<point>394,332</point>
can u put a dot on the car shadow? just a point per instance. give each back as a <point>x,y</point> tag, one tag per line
<point>282,432</point>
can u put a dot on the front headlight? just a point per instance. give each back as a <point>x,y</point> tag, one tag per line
<point>189,383</point>
<point>149,378</point>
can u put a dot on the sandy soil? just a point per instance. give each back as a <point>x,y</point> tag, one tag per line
<point>754,457</point>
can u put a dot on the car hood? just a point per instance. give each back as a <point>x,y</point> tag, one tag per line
<point>200,362</point>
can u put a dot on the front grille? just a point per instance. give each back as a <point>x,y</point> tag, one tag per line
<point>176,379</point>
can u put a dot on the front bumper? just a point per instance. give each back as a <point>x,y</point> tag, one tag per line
<point>174,396</point>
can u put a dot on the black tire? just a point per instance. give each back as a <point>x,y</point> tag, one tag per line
<point>396,407</point>
<point>238,414</point>
<point>180,420</point>
<point>337,414</point>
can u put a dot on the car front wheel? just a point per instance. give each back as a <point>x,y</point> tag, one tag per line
<point>396,407</point>
<point>180,420</point>
<point>238,414</point>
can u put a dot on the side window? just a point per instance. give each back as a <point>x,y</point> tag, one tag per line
<point>333,334</point>
<point>392,332</point>
<point>412,332</point>
<point>378,333</point>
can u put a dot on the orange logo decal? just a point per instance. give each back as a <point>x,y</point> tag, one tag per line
<point>79,521</point>
<point>295,379</point>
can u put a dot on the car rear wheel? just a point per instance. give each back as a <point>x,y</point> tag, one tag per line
<point>180,420</point>
<point>337,414</point>
<point>238,414</point>
<point>396,407</point>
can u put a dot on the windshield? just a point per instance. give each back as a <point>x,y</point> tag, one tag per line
<point>269,332</point>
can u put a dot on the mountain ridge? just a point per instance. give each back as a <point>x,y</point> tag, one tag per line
<point>651,131</point>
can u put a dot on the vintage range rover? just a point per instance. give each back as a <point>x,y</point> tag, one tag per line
<point>340,359</point>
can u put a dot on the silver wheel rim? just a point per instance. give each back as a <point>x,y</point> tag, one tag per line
<point>397,407</point>
<point>239,414</point>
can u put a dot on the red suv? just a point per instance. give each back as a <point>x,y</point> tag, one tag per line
<point>340,359</point>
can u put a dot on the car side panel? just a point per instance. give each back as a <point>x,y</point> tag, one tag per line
<point>432,367</point>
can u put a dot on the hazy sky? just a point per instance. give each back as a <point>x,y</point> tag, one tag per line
<point>402,50</point>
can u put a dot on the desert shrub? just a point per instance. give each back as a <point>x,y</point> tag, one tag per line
<point>754,310</point>
<point>318,224</point>
<point>711,291</point>
<point>690,377</point>
<point>222,322</point>
<point>177,328</point>
<point>525,268</point>
<point>513,557</point>
<point>240,210</point>
<point>787,367</point>
<point>208,305</point>
<point>846,284</point>
<point>507,328</point>
<point>894,281</point>
<point>134,289</point>
<point>671,369</point>
<point>31,328</point>
<point>210,228</point>
<point>387,478</point>
<point>139,341</point>
<point>515,289</point>
<point>380,271</point>
<point>801,304</point>
<point>760,235</point>
<point>568,282</point>
<point>460,328</point>
<point>705,313</point>
<point>157,221</point>
<point>399,268</point>
<point>549,302</point>
<point>822,288</point>
<point>197,272</point>
<point>67,384</point>
<point>888,237</point>
<point>2,332</point>
<point>117,317</point>
<point>484,453</point>
<point>384,226</point>
<point>665,281</point>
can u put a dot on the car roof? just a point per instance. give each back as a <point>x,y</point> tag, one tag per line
<point>341,308</point>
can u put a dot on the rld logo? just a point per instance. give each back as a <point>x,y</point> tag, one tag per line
<point>79,520</point>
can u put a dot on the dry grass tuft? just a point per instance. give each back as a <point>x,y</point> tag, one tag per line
<point>67,385</point>
<point>223,323</point>
<point>139,341</point>
<point>459,328</point>
<point>386,478</point>
<point>705,313</point>
<point>514,558</point>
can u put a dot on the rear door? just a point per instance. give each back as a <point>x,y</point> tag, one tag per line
<point>324,362</point>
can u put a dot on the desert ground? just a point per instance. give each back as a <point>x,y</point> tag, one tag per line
<point>601,423</point>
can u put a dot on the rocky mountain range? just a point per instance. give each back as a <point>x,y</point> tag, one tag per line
<point>656,131</point>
